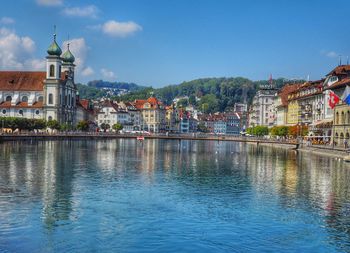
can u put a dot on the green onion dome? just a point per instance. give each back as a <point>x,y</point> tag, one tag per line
<point>68,56</point>
<point>54,48</point>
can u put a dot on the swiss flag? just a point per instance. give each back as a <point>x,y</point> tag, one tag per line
<point>333,99</point>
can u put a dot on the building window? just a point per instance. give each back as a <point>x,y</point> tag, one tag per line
<point>3,111</point>
<point>52,70</point>
<point>24,99</point>
<point>37,112</point>
<point>50,98</point>
<point>20,112</point>
<point>41,99</point>
<point>342,118</point>
<point>337,118</point>
<point>69,100</point>
<point>8,98</point>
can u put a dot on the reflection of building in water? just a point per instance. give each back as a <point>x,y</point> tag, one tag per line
<point>58,182</point>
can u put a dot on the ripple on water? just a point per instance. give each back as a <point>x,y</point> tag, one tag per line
<point>165,196</point>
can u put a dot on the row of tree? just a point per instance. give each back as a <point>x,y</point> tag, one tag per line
<point>15,123</point>
<point>281,131</point>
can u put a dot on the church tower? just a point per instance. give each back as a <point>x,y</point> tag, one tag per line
<point>68,64</point>
<point>52,100</point>
<point>68,89</point>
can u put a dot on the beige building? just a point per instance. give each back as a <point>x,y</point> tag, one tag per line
<point>262,111</point>
<point>152,113</point>
<point>337,80</point>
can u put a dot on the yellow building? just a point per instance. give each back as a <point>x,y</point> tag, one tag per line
<point>152,114</point>
<point>292,112</point>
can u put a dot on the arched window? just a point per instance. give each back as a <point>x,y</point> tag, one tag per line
<point>24,99</point>
<point>52,70</point>
<point>50,118</point>
<point>72,101</point>
<point>20,112</point>
<point>8,98</point>
<point>4,111</point>
<point>41,99</point>
<point>69,100</point>
<point>337,118</point>
<point>342,119</point>
<point>50,98</point>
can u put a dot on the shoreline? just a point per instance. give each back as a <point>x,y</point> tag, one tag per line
<point>319,150</point>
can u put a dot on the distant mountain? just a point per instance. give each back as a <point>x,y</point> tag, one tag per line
<point>100,84</point>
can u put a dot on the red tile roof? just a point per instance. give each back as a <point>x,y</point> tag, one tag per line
<point>139,103</point>
<point>22,80</point>
<point>340,84</point>
<point>84,103</point>
<point>340,70</point>
<point>286,90</point>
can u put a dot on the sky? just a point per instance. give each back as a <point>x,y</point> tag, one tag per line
<point>162,42</point>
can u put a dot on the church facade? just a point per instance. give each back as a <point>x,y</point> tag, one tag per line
<point>49,95</point>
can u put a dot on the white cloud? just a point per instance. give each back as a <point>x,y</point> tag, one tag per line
<point>88,71</point>
<point>120,29</point>
<point>49,2</point>
<point>330,54</point>
<point>7,20</point>
<point>90,11</point>
<point>80,50</point>
<point>108,74</point>
<point>16,52</point>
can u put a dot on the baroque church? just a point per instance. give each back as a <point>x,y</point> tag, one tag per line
<point>50,95</point>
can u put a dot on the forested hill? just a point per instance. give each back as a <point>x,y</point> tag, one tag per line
<point>98,88</point>
<point>114,85</point>
<point>219,94</point>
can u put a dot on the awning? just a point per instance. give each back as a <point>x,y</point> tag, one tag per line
<point>325,123</point>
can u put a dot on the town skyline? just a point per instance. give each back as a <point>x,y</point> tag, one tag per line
<point>157,44</point>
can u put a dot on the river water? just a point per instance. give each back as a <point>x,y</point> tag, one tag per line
<point>170,196</point>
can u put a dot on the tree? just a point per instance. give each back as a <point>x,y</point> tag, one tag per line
<point>117,127</point>
<point>261,130</point>
<point>192,100</point>
<point>209,103</point>
<point>183,102</point>
<point>39,124</point>
<point>105,126</point>
<point>53,124</point>
<point>279,131</point>
<point>83,125</point>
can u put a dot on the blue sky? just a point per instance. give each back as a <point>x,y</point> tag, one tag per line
<point>153,42</point>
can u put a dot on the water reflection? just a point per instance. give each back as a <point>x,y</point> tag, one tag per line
<point>113,187</point>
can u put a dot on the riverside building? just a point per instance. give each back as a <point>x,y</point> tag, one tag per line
<point>49,95</point>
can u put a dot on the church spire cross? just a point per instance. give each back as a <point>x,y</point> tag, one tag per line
<point>54,32</point>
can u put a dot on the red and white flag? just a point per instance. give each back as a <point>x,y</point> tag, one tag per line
<point>333,99</point>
